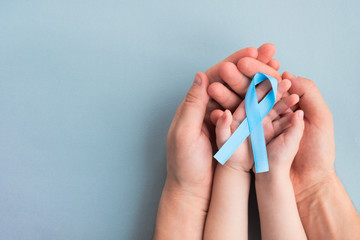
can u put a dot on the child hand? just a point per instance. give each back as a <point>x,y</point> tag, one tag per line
<point>273,124</point>
<point>278,211</point>
<point>283,148</point>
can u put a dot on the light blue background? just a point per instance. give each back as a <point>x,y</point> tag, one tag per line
<point>88,90</point>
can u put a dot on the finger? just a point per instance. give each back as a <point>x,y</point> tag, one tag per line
<point>274,63</point>
<point>280,125</point>
<point>212,105</point>
<point>213,72</point>
<point>292,76</point>
<point>289,75</point>
<point>192,109</point>
<point>246,52</point>
<point>266,52</point>
<point>249,67</point>
<point>262,88</point>
<point>293,134</point>
<point>281,107</point>
<point>222,129</point>
<point>311,100</point>
<point>295,107</point>
<point>283,87</point>
<point>237,81</point>
<point>238,116</point>
<point>215,115</point>
<point>205,130</point>
<point>224,96</point>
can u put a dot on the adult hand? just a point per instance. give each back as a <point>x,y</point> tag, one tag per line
<point>314,161</point>
<point>325,209</point>
<point>234,71</point>
<point>186,194</point>
<point>190,143</point>
<point>318,140</point>
<point>189,150</point>
<point>321,199</point>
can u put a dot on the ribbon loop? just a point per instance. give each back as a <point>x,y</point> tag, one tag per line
<point>255,112</point>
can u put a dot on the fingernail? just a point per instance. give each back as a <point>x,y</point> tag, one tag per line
<point>301,114</point>
<point>292,76</point>
<point>197,81</point>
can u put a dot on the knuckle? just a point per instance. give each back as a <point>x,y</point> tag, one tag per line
<point>251,52</point>
<point>244,63</point>
<point>214,90</point>
<point>277,75</point>
<point>225,69</point>
<point>192,99</point>
<point>311,84</point>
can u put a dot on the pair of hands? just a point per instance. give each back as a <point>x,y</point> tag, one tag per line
<point>191,139</point>
<point>283,130</point>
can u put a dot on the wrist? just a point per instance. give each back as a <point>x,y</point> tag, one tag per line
<point>314,199</point>
<point>318,188</point>
<point>199,188</point>
<point>175,192</point>
<point>231,170</point>
<point>181,214</point>
<point>228,213</point>
<point>272,177</point>
<point>325,204</point>
<point>269,183</point>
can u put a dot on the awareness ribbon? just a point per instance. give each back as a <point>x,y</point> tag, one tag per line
<point>255,112</point>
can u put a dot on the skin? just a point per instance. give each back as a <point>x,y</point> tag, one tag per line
<point>279,217</point>
<point>185,197</point>
<point>227,217</point>
<point>190,145</point>
<point>321,199</point>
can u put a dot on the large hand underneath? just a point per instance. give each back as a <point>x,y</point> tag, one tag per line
<point>186,194</point>
<point>190,137</point>
<point>325,208</point>
<point>314,161</point>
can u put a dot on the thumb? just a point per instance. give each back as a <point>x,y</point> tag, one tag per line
<point>311,100</point>
<point>193,107</point>
<point>294,133</point>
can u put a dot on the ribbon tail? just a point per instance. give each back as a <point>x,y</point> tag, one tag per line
<point>230,146</point>
<point>259,149</point>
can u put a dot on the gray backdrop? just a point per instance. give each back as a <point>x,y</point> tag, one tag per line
<point>88,90</point>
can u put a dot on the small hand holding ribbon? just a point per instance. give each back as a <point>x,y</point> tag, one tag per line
<point>252,124</point>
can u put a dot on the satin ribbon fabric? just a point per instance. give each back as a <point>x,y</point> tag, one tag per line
<point>252,125</point>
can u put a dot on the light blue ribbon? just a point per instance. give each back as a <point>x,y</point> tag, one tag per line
<point>255,112</point>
